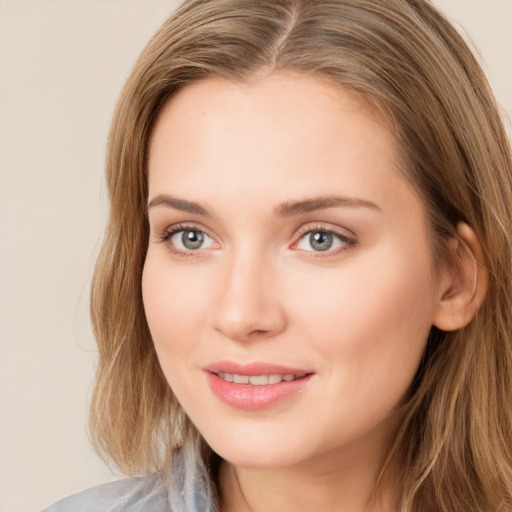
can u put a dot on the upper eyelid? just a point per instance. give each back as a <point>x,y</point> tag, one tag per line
<point>186,226</point>
<point>327,227</point>
<point>342,238</point>
<point>164,234</point>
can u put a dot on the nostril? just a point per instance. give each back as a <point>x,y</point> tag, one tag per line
<point>256,333</point>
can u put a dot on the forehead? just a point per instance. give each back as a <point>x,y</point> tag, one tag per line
<point>282,134</point>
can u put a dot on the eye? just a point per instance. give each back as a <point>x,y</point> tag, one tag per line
<point>189,240</point>
<point>322,240</point>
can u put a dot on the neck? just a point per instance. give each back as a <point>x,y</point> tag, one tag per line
<point>331,483</point>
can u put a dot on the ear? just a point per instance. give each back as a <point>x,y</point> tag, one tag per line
<point>463,284</point>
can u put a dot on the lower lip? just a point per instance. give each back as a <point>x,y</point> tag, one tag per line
<point>248,397</point>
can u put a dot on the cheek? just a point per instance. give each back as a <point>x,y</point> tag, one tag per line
<point>173,304</point>
<point>372,316</point>
<point>367,327</point>
<point>172,307</point>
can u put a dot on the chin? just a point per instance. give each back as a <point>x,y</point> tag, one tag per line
<point>262,449</point>
<point>256,458</point>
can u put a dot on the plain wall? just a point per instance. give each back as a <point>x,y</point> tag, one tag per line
<point>62,65</point>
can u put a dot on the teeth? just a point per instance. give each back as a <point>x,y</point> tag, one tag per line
<point>258,380</point>
<point>240,379</point>
<point>275,379</point>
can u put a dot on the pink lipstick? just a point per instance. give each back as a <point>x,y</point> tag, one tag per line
<point>256,385</point>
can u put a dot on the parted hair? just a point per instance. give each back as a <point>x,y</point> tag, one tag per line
<point>402,57</point>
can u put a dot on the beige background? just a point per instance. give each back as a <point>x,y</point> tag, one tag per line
<point>62,64</point>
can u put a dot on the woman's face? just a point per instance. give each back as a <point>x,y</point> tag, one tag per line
<point>288,285</point>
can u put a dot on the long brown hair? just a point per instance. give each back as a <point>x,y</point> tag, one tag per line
<point>406,60</point>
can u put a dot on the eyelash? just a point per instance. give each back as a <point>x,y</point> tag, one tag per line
<point>348,242</point>
<point>169,233</point>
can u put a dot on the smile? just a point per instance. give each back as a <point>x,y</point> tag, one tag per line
<point>256,385</point>
<point>258,380</point>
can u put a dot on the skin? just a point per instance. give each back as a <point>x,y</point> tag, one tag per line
<point>357,316</point>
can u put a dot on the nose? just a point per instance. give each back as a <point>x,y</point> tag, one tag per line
<point>249,303</point>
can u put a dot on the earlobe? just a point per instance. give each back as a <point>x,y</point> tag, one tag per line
<point>464,283</point>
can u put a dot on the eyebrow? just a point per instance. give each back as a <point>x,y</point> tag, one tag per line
<point>286,209</point>
<point>178,204</point>
<point>307,205</point>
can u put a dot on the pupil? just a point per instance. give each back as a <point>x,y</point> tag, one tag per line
<point>192,239</point>
<point>321,241</point>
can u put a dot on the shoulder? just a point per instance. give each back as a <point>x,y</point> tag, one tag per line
<point>136,494</point>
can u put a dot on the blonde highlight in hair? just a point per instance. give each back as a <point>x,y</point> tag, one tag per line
<point>454,441</point>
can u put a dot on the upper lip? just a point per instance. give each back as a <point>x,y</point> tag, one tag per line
<point>256,368</point>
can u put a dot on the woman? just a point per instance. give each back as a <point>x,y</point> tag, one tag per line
<point>303,297</point>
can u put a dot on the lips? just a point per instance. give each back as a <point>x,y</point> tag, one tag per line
<point>256,385</point>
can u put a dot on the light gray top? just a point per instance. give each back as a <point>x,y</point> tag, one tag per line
<point>185,488</point>
<point>147,494</point>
